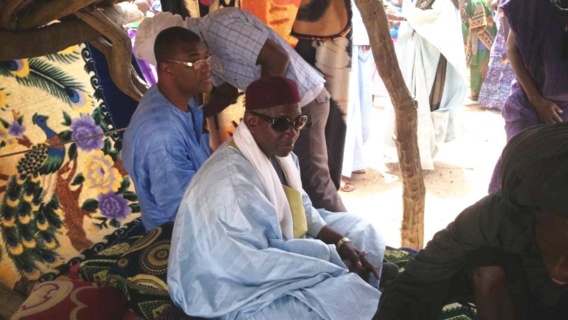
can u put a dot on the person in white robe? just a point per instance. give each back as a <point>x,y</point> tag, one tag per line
<point>247,242</point>
<point>432,61</point>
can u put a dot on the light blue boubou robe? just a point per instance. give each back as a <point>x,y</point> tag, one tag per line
<point>228,259</point>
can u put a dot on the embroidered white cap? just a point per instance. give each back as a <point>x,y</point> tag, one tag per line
<point>148,31</point>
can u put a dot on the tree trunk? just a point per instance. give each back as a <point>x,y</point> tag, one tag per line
<point>375,20</point>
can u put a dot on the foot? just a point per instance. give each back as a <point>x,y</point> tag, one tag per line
<point>362,171</point>
<point>346,185</point>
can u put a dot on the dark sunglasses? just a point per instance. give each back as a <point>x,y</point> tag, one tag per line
<point>282,124</point>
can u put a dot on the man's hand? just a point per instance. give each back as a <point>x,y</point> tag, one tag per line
<point>548,111</point>
<point>220,98</point>
<point>354,259</point>
<point>273,59</point>
<point>357,262</point>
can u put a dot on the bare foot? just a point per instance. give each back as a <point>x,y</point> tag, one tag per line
<point>346,185</point>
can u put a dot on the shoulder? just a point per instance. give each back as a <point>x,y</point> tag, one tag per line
<point>519,7</point>
<point>228,163</point>
<point>229,157</point>
<point>229,173</point>
<point>154,108</point>
<point>155,127</point>
<point>491,207</point>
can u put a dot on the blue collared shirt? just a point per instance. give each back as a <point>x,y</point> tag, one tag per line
<point>162,149</point>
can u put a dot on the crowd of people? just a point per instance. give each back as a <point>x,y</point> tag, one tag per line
<point>260,231</point>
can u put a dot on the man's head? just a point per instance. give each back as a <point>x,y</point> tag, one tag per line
<point>273,115</point>
<point>534,171</point>
<point>182,61</point>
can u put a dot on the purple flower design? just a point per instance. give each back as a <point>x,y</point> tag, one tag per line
<point>16,129</point>
<point>114,205</point>
<point>86,134</point>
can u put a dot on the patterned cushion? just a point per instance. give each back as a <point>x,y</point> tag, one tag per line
<point>141,273</point>
<point>95,268</point>
<point>138,267</point>
<point>72,300</point>
<point>99,253</point>
<point>452,311</point>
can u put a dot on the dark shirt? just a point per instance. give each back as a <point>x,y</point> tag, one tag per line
<point>420,291</point>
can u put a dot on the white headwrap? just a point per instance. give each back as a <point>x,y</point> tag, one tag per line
<point>149,29</point>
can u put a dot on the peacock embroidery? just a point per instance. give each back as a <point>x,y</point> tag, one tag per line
<point>30,211</point>
<point>63,190</point>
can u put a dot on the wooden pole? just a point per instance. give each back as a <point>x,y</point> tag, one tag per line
<point>47,11</point>
<point>42,41</point>
<point>118,52</point>
<point>414,192</point>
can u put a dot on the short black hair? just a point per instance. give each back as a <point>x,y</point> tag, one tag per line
<point>168,40</point>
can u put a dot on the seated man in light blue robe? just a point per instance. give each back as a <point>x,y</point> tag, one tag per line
<point>164,144</point>
<point>247,242</point>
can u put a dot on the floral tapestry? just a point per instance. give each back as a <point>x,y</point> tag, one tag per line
<point>62,183</point>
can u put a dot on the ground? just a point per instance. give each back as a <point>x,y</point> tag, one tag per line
<point>463,168</point>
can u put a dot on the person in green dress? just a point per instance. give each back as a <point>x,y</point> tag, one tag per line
<point>479,32</point>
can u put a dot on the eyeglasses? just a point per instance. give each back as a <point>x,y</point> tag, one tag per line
<point>282,124</point>
<point>196,65</point>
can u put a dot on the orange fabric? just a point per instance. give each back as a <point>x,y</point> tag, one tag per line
<point>278,14</point>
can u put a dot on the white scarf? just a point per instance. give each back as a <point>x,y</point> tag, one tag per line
<point>269,178</point>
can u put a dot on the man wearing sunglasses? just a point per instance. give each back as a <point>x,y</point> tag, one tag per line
<point>244,49</point>
<point>164,144</point>
<point>247,240</point>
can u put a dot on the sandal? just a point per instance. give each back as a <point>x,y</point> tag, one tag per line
<point>346,186</point>
<point>362,171</point>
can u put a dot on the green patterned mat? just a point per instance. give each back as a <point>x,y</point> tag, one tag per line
<point>453,311</point>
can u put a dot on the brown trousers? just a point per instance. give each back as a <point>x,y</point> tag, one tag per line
<point>311,149</point>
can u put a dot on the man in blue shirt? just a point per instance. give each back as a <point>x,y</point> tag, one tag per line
<point>164,144</point>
